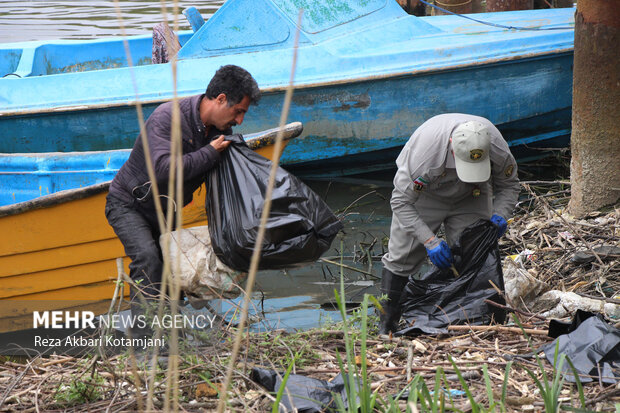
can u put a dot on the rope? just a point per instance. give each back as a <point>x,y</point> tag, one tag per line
<point>495,24</point>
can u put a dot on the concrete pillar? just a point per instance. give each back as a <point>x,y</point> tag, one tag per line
<point>508,5</point>
<point>595,140</point>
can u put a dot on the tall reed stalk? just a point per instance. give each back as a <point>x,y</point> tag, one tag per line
<point>258,246</point>
<point>165,223</point>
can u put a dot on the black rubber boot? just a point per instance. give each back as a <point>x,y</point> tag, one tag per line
<point>142,319</point>
<point>391,285</point>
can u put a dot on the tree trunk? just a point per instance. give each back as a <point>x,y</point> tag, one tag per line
<point>455,6</point>
<point>595,140</point>
<point>508,5</point>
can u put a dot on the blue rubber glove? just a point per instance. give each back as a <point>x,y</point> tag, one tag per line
<point>500,223</point>
<point>439,252</point>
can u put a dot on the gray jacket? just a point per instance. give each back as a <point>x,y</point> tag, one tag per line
<point>426,165</point>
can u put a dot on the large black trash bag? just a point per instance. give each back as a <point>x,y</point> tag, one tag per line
<point>300,227</point>
<point>439,299</point>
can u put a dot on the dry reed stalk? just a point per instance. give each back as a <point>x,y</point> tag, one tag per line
<point>261,232</point>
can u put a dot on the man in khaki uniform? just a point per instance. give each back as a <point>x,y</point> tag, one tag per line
<point>455,169</point>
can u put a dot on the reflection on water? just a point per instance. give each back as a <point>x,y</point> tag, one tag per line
<point>23,20</point>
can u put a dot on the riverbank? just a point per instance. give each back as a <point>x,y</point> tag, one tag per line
<point>460,371</point>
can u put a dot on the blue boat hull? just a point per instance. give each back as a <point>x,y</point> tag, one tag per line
<point>345,120</point>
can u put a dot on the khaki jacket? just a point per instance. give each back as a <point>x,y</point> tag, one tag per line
<point>426,166</point>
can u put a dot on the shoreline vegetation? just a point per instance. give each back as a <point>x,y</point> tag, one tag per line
<point>472,369</point>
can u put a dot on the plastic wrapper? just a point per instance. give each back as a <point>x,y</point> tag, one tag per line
<point>303,394</point>
<point>591,344</point>
<point>439,299</point>
<point>201,274</point>
<point>300,227</point>
<point>532,295</point>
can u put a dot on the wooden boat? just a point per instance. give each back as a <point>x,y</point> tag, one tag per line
<point>58,251</point>
<point>367,75</point>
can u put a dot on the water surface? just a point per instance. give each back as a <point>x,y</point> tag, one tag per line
<point>25,20</point>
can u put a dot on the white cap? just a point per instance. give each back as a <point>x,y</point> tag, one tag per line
<point>471,144</point>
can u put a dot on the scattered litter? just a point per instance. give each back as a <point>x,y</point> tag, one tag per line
<point>567,303</point>
<point>523,256</point>
<point>521,287</point>
<point>527,293</point>
<point>451,392</point>
<point>562,273</point>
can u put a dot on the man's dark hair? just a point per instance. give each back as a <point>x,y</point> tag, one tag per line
<point>235,82</point>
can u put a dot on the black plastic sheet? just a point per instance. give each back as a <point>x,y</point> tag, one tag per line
<point>439,299</point>
<point>591,344</point>
<point>300,227</point>
<point>307,395</point>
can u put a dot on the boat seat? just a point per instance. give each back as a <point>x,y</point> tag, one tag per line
<point>165,43</point>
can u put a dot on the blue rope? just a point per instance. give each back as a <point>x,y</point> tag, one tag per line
<point>494,24</point>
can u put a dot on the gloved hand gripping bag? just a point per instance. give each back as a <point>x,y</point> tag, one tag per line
<point>439,299</point>
<point>300,227</point>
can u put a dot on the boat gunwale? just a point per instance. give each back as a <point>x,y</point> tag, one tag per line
<point>310,85</point>
<point>54,199</point>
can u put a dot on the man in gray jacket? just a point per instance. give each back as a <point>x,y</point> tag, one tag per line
<point>455,169</point>
<point>204,120</point>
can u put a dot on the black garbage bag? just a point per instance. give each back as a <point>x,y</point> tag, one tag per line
<point>300,227</point>
<point>439,298</point>
<point>591,344</point>
<point>307,395</point>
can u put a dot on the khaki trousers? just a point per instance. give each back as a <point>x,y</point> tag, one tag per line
<point>406,254</point>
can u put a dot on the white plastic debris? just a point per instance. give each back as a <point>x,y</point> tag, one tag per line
<point>201,274</point>
<point>568,303</point>
<point>530,294</point>
<point>520,286</point>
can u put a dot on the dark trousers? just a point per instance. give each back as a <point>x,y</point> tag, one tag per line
<point>141,241</point>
